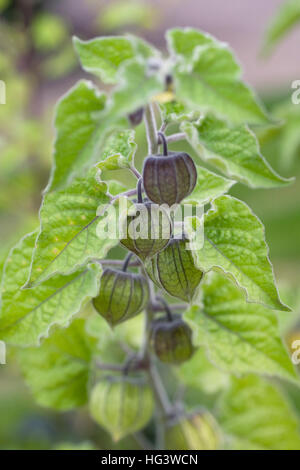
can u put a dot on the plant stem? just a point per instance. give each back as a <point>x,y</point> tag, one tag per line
<point>130,192</point>
<point>173,137</point>
<point>151,129</point>
<point>111,367</point>
<point>116,262</point>
<point>139,190</point>
<point>135,172</point>
<point>166,307</point>
<point>126,262</point>
<point>159,390</point>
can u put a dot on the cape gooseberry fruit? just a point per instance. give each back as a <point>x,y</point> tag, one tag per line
<point>148,231</point>
<point>169,178</point>
<point>122,295</point>
<point>194,431</point>
<point>174,270</point>
<point>171,340</point>
<point>122,405</point>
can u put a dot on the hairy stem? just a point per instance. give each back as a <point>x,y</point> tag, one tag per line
<point>151,129</point>
<point>135,172</point>
<point>174,137</point>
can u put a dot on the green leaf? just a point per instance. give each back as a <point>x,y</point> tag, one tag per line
<point>208,186</point>
<point>103,56</point>
<point>199,372</point>
<point>239,337</point>
<point>257,415</point>
<point>80,132</point>
<point>208,78</point>
<point>57,372</point>
<point>28,315</point>
<point>68,237</point>
<point>138,85</point>
<point>234,151</point>
<point>234,243</point>
<point>175,111</point>
<point>119,151</point>
<point>183,41</point>
<point>287,16</point>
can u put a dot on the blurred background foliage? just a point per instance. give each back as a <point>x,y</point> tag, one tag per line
<point>38,65</point>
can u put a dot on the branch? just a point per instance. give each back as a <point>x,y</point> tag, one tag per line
<point>173,137</point>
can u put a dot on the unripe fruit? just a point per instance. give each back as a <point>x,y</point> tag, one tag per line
<point>169,178</point>
<point>195,431</point>
<point>171,340</point>
<point>148,231</point>
<point>122,405</point>
<point>122,295</point>
<point>174,270</point>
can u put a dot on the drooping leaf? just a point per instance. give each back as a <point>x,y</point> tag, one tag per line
<point>28,315</point>
<point>80,131</point>
<point>233,150</point>
<point>208,187</point>
<point>286,17</point>
<point>119,151</point>
<point>256,415</point>
<point>208,78</point>
<point>234,243</point>
<point>69,220</point>
<point>57,372</point>
<point>239,337</point>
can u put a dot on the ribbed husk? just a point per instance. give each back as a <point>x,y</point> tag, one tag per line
<point>195,431</point>
<point>154,228</point>
<point>174,270</point>
<point>171,340</point>
<point>122,295</point>
<point>122,405</point>
<point>169,179</point>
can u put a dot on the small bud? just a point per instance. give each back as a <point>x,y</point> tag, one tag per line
<point>121,405</point>
<point>194,431</point>
<point>136,117</point>
<point>148,231</point>
<point>122,295</point>
<point>174,270</point>
<point>171,340</point>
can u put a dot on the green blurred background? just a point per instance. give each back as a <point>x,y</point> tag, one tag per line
<point>38,65</point>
